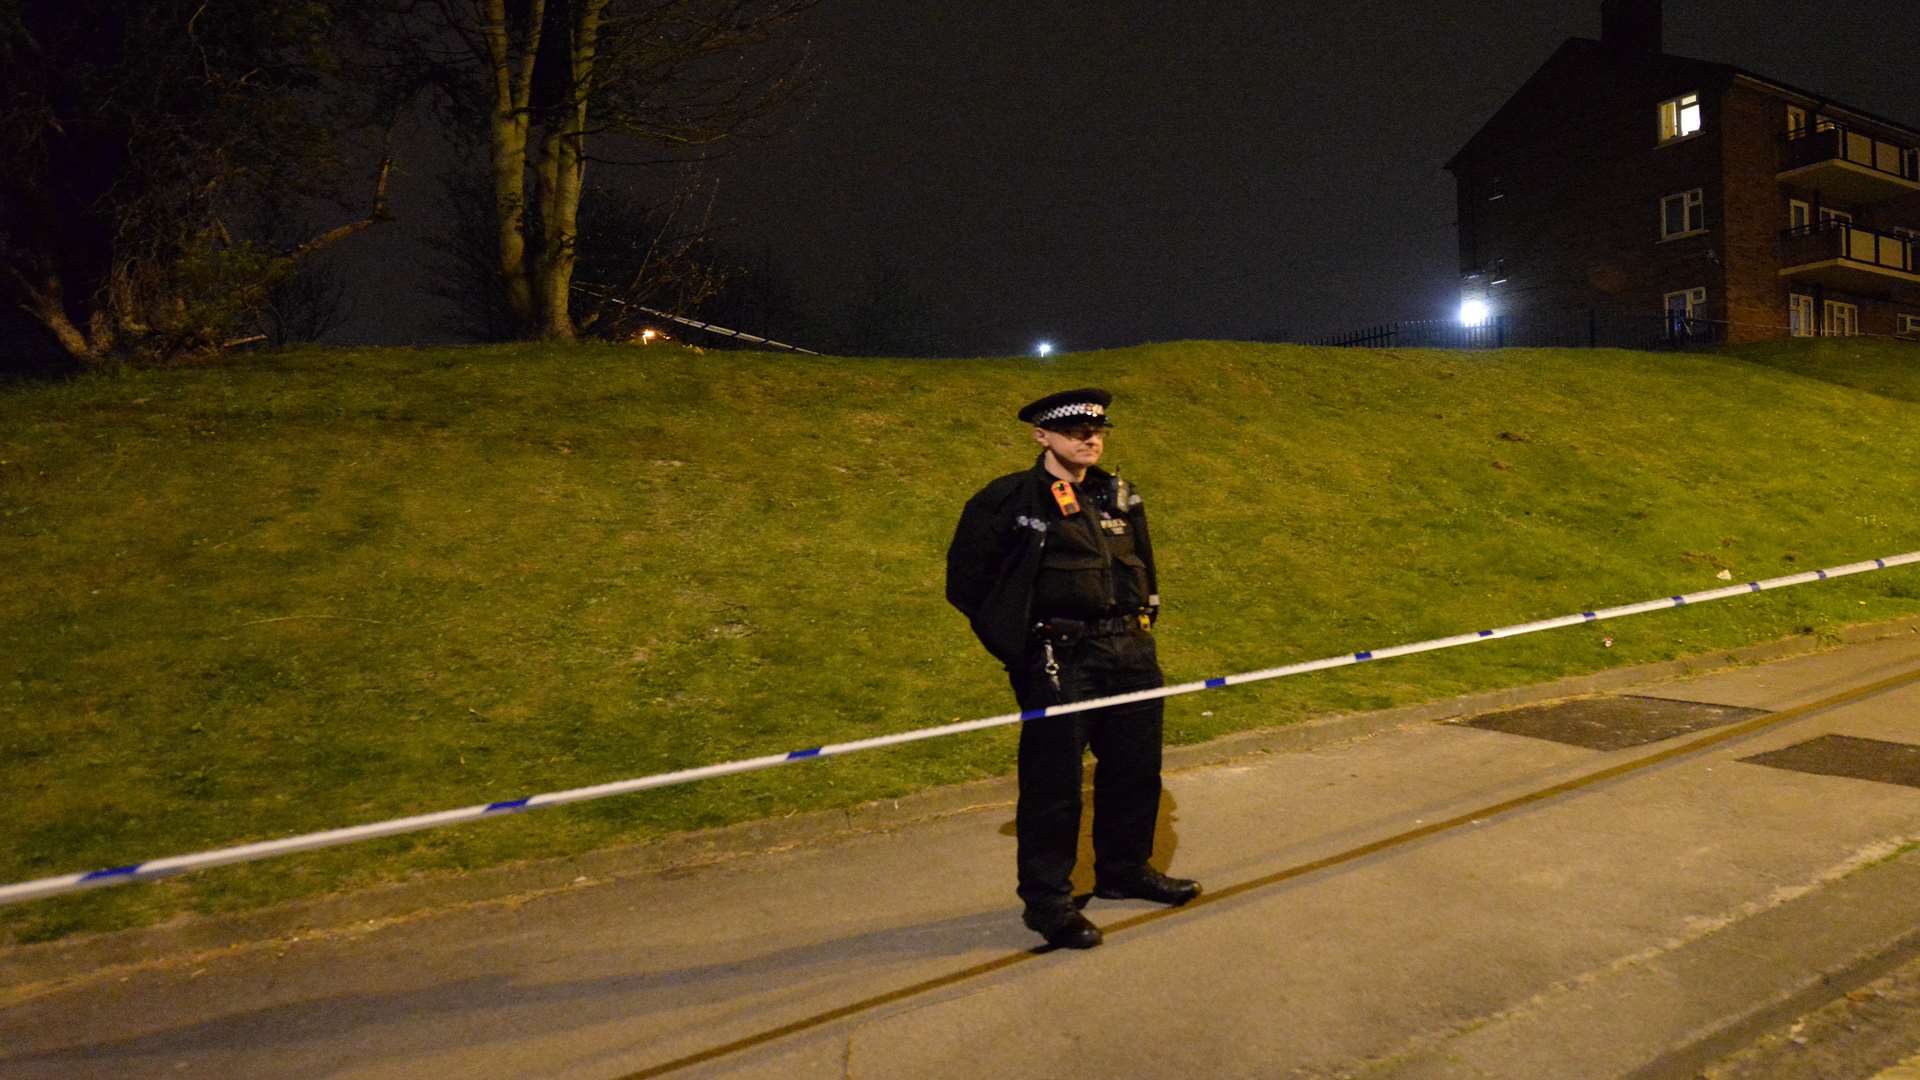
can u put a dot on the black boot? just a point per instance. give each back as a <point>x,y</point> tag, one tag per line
<point>1146,883</point>
<point>1062,925</point>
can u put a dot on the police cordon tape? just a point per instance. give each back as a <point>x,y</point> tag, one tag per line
<point>179,864</point>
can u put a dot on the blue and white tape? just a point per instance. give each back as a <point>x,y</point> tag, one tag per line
<point>179,864</point>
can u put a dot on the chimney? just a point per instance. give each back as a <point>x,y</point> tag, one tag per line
<point>1631,25</point>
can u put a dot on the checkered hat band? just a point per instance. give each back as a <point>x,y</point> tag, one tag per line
<point>1084,408</point>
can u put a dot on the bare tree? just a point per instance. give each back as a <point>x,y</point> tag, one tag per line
<point>307,304</point>
<point>544,77</point>
<point>134,134</point>
<point>633,253</point>
<point>643,255</point>
<point>467,274</point>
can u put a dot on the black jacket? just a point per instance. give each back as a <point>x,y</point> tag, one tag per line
<point>995,554</point>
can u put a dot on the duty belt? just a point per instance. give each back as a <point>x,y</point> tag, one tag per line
<point>1048,626</point>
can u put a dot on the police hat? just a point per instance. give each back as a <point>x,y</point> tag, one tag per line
<point>1069,409</point>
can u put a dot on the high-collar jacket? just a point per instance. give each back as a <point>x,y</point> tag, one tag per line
<point>996,549</point>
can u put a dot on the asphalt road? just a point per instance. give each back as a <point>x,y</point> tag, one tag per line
<point>1428,899</point>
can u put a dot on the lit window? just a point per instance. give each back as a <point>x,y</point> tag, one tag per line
<point>1683,214</point>
<point>1842,320</point>
<point>1679,117</point>
<point>1800,315</point>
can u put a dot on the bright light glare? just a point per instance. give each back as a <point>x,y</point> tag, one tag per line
<point>1045,348</point>
<point>1474,313</point>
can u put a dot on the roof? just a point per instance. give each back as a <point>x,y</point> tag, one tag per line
<point>1827,104</point>
<point>1586,53</point>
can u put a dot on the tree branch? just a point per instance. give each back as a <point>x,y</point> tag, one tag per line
<point>46,303</point>
<point>374,217</point>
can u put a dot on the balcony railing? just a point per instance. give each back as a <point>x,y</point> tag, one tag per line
<point>1827,142</point>
<point>1849,162</point>
<point>1842,253</point>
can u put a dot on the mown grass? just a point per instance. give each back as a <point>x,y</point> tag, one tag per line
<point>1877,366</point>
<point>314,588</point>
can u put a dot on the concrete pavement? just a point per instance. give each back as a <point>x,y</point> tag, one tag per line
<point>1646,922</point>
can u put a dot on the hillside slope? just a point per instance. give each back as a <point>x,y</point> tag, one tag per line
<point>315,588</point>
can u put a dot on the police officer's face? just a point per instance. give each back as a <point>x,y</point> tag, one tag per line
<point>1079,447</point>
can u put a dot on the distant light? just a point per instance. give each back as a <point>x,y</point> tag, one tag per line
<point>647,335</point>
<point>1475,313</point>
<point>1045,348</point>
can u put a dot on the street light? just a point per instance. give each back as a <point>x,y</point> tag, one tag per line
<point>1045,348</point>
<point>1475,313</point>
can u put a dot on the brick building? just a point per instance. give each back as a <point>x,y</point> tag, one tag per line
<point>1622,184</point>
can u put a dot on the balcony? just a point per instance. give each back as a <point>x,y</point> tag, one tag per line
<point>1852,166</point>
<point>1843,256</point>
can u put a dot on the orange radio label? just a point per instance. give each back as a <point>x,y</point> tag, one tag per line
<point>1063,494</point>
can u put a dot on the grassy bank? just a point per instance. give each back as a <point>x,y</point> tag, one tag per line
<point>315,588</point>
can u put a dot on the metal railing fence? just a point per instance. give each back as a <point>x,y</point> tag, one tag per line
<point>1590,328</point>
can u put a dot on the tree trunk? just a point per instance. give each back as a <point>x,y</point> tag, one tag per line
<point>507,148</point>
<point>377,214</point>
<point>510,214</point>
<point>554,276</point>
<point>562,172</point>
<point>46,302</point>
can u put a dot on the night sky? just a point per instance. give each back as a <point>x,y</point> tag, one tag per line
<point>1104,175</point>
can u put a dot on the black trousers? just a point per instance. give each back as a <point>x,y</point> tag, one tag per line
<point>1125,740</point>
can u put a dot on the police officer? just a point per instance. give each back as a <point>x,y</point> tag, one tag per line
<point>1054,571</point>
